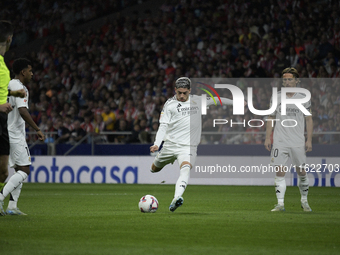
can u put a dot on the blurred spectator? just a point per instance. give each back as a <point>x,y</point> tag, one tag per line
<point>134,138</point>
<point>63,134</point>
<point>99,126</point>
<point>87,126</point>
<point>122,127</point>
<point>109,119</point>
<point>322,114</point>
<point>77,133</point>
<point>281,63</point>
<point>292,57</point>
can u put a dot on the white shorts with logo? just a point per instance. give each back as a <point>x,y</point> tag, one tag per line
<point>172,151</point>
<point>19,155</point>
<point>280,155</point>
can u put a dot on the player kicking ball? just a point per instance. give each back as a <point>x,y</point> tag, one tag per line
<point>180,128</point>
<point>289,142</point>
<point>19,158</point>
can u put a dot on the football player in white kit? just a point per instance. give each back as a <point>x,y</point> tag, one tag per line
<point>289,142</point>
<point>19,158</point>
<point>180,128</point>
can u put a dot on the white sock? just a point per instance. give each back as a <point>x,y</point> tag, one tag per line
<point>13,199</point>
<point>13,183</point>
<point>280,189</point>
<point>303,183</point>
<point>182,182</point>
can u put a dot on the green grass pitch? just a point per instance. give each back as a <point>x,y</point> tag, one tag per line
<point>104,219</point>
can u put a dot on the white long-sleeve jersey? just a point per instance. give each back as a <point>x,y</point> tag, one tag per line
<point>181,122</point>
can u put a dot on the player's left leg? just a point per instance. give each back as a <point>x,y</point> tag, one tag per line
<point>299,159</point>
<point>183,179</point>
<point>164,156</point>
<point>186,159</point>
<point>181,184</point>
<point>3,177</point>
<point>12,208</point>
<point>303,183</point>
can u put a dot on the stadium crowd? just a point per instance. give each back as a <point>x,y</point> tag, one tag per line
<point>117,77</point>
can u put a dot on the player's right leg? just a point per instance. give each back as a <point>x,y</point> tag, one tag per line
<point>19,159</point>
<point>279,158</point>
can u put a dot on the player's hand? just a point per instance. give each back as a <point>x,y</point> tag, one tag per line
<point>40,135</point>
<point>153,148</point>
<point>6,108</point>
<point>308,146</point>
<point>268,144</point>
<point>19,93</point>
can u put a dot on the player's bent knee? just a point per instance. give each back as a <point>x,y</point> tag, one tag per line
<point>155,169</point>
<point>25,169</point>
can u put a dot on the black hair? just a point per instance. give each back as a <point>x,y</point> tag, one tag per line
<point>20,64</point>
<point>6,29</point>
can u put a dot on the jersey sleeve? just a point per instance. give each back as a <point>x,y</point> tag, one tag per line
<point>165,116</point>
<point>18,101</point>
<point>308,106</point>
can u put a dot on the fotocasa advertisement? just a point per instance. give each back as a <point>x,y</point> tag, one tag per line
<point>218,170</point>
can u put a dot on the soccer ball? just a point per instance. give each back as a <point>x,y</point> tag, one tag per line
<point>148,204</point>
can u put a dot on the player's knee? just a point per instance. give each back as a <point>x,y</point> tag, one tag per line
<point>186,163</point>
<point>300,171</point>
<point>279,171</point>
<point>155,169</point>
<point>25,169</point>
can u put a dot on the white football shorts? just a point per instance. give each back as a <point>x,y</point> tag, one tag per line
<point>172,151</point>
<point>280,155</point>
<point>19,155</point>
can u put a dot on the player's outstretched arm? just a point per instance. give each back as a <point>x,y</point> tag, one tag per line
<point>269,130</point>
<point>6,108</point>
<point>27,117</point>
<point>17,93</point>
<point>159,137</point>
<point>309,127</point>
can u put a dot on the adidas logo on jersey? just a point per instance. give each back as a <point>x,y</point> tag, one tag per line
<point>179,105</point>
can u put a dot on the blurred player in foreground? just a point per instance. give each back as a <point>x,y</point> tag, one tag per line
<point>289,142</point>
<point>20,158</point>
<point>180,128</point>
<point>6,36</point>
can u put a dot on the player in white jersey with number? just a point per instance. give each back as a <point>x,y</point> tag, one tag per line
<point>19,158</point>
<point>289,141</point>
<point>180,128</point>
